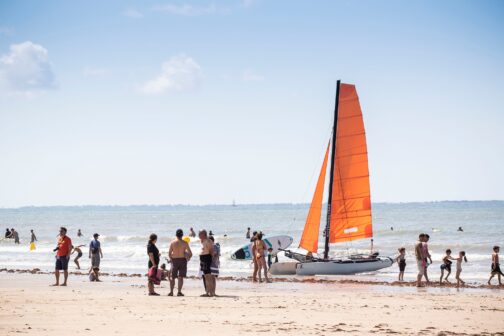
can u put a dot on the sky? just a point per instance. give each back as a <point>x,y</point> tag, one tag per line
<point>206,102</point>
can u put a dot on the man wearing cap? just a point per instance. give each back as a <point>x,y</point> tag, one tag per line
<point>95,253</point>
<point>179,254</point>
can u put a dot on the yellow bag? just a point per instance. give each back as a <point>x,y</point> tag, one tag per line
<point>32,246</point>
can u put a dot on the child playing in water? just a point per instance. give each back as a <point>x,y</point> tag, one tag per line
<point>462,256</point>
<point>401,261</point>
<point>495,265</point>
<point>446,266</point>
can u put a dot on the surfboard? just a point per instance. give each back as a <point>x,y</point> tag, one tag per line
<point>275,242</point>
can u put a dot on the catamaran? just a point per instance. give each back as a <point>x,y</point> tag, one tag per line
<point>349,200</point>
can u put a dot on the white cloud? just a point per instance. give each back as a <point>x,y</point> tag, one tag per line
<point>26,69</point>
<point>133,13</point>
<point>250,76</point>
<point>191,10</point>
<point>93,72</point>
<point>179,73</point>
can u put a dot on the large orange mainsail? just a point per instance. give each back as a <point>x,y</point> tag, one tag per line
<point>351,203</point>
<point>309,239</point>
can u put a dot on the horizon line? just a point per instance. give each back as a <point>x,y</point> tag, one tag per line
<point>225,204</point>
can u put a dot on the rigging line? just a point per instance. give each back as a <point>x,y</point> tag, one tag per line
<point>351,116</point>
<point>367,215</point>
<point>354,177</point>
<point>350,135</point>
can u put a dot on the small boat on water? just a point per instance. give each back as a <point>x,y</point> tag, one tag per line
<point>349,199</point>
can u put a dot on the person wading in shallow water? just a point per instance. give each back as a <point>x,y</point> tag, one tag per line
<point>206,263</point>
<point>63,251</point>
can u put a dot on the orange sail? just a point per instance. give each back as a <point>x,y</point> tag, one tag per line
<point>309,240</point>
<point>351,203</point>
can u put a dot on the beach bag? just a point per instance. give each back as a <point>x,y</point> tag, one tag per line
<point>155,275</point>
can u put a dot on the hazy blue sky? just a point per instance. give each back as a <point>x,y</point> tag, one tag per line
<point>159,102</point>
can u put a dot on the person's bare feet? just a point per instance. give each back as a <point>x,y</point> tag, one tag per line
<point>54,285</point>
<point>63,284</point>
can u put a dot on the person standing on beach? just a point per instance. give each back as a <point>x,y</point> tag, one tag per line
<point>419,254</point>
<point>79,254</point>
<point>206,263</point>
<point>215,259</point>
<point>427,256</point>
<point>495,270</point>
<point>401,261</point>
<point>153,253</point>
<point>446,266</point>
<point>179,253</point>
<point>462,257</point>
<point>260,251</point>
<point>95,252</point>
<point>33,237</point>
<point>247,235</point>
<point>192,234</point>
<point>63,251</point>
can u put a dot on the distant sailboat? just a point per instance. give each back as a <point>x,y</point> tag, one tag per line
<point>349,202</point>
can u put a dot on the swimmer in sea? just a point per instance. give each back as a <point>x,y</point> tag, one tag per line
<point>192,234</point>
<point>79,254</point>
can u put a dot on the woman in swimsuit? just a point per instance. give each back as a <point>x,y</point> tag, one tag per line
<point>260,249</point>
<point>446,266</point>
<point>462,256</point>
<point>401,261</point>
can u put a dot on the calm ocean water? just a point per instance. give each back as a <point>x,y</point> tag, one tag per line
<point>124,232</point>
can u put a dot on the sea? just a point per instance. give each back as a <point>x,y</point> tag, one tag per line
<point>124,231</point>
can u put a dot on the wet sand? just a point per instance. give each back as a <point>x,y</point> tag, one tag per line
<point>120,306</point>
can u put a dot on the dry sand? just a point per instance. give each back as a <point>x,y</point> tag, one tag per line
<point>120,306</point>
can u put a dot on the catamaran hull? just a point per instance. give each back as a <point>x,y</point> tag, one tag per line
<point>283,268</point>
<point>342,267</point>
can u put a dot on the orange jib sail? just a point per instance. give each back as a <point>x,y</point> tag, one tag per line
<point>309,239</point>
<point>351,203</point>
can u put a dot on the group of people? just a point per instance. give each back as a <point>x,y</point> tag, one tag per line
<point>259,253</point>
<point>179,254</point>
<point>65,249</point>
<point>14,234</point>
<point>424,259</point>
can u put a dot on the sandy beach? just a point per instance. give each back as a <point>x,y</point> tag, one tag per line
<point>120,306</point>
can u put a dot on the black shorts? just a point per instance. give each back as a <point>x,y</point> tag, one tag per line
<point>179,267</point>
<point>62,263</point>
<point>446,267</point>
<point>495,269</point>
<point>206,263</point>
<point>402,266</point>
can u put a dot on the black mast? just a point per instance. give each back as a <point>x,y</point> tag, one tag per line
<point>331,172</point>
